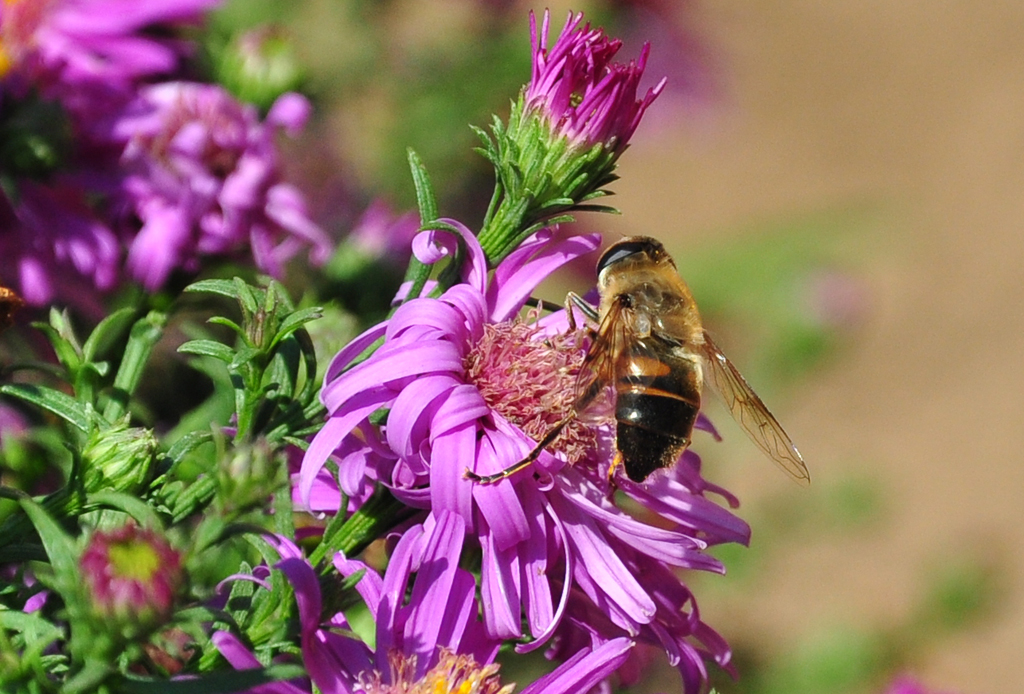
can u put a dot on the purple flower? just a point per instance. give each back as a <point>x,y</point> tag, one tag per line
<point>579,91</point>
<point>88,53</point>
<point>52,243</point>
<point>203,177</point>
<point>428,635</point>
<point>467,385</point>
<point>380,233</point>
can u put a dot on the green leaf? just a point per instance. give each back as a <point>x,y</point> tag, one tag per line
<point>144,336</point>
<point>208,348</point>
<point>87,679</point>
<point>59,545</point>
<point>246,296</point>
<point>130,504</point>
<point>223,287</point>
<point>227,322</point>
<point>296,320</point>
<point>425,198</point>
<point>109,331</point>
<point>66,353</point>
<point>64,406</point>
<point>186,444</point>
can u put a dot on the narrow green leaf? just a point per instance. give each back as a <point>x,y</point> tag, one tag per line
<point>425,198</point>
<point>296,320</point>
<point>59,546</point>
<point>88,678</point>
<point>247,296</point>
<point>64,406</point>
<point>109,331</point>
<point>227,322</point>
<point>130,504</point>
<point>208,348</point>
<point>223,287</point>
<point>146,332</point>
<point>186,444</point>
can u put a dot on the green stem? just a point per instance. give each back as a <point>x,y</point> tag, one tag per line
<point>378,515</point>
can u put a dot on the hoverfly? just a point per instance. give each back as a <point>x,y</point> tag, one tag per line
<point>650,355</point>
<point>10,302</point>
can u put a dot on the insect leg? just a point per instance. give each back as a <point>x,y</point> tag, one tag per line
<point>573,299</point>
<point>525,462</point>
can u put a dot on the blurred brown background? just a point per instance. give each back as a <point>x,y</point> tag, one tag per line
<point>912,113</point>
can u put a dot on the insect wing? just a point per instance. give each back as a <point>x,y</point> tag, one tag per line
<point>751,414</point>
<point>595,384</point>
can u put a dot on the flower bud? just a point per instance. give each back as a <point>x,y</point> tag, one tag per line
<point>258,66</point>
<point>131,576</point>
<point>118,457</point>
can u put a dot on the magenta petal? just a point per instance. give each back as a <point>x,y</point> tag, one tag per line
<point>389,610</point>
<point>307,591</point>
<point>392,362</point>
<point>520,273</point>
<point>241,658</point>
<point>352,350</point>
<point>432,245</point>
<point>330,436</point>
<point>450,491</point>
<point>290,111</point>
<point>499,503</point>
<point>429,608</point>
<point>435,319</point>
<point>411,410</point>
<point>500,590</point>
<point>585,670</point>
<point>611,577</point>
<point>370,587</point>
<point>668,498</point>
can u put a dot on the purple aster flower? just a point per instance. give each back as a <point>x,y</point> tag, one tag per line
<point>204,178</point>
<point>579,90</point>
<point>380,233</point>
<point>428,634</point>
<point>468,385</point>
<point>88,53</point>
<point>52,243</point>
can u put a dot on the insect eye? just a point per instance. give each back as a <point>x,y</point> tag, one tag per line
<point>626,248</point>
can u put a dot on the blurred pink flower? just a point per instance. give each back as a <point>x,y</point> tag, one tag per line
<point>204,177</point>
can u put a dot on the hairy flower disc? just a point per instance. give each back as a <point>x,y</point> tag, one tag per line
<point>530,381</point>
<point>453,674</point>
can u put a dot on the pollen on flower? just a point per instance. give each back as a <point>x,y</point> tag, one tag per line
<point>453,674</point>
<point>530,380</point>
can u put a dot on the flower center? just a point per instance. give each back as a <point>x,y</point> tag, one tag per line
<point>453,674</point>
<point>133,560</point>
<point>530,380</point>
